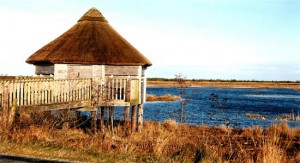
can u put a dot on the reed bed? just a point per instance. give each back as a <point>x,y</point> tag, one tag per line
<point>158,142</point>
<point>166,97</point>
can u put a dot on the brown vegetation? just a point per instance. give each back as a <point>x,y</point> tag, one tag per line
<point>166,97</point>
<point>233,84</point>
<point>158,142</point>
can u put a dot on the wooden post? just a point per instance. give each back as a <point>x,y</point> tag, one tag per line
<point>94,121</point>
<point>12,114</point>
<point>126,119</point>
<point>102,108</point>
<point>94,93</point>
<point>5,106</point>
<point>128,89</point>
<point>94,102</point>
<point>140,117</point>
<point>133,119</point>
<point>112,110</point>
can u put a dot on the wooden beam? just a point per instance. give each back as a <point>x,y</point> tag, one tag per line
<point>54,106</point>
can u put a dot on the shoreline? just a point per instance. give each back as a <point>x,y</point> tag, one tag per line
<point>227,84</point>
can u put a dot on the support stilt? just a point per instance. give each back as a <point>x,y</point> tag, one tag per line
<point>126,120</point>
<point>94,121</point>
<point>102,108</point>
<point>112,110</point>
<point>140,117</point>
<point>133,119</point>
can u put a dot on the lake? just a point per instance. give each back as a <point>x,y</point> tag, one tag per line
<point>268,103</point>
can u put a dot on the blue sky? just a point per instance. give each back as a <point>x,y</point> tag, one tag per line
<point>202,39</point>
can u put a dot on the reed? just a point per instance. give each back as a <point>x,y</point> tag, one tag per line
<point>166,97</point>
<point>158,142</point>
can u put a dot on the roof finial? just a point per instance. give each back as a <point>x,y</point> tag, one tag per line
<point>93,15</point>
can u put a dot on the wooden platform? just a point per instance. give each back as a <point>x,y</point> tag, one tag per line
<point>49,94</point>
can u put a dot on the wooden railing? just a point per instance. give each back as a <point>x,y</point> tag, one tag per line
<point>46,91</point>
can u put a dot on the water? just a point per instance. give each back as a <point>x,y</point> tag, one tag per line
<point>270,103</point>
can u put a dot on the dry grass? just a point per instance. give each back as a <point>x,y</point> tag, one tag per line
<point>298,118</point>
<point>166,97</point>
<point>158,142</point>
<point>252,115</point>
<point>236,84</point>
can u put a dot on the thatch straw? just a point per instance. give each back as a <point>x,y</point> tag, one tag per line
<point>91,41</point>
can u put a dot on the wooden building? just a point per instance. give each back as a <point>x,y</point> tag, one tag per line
<point>93,49</point>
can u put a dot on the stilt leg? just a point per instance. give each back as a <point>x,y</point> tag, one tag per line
<point>102,108</point>
<point>133,119</point>
<point>126,120</point>
<point>94,121</point>
<point>112,110</point>
<point>140,117</point>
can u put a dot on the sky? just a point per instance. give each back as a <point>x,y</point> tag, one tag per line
<point>201,39</point>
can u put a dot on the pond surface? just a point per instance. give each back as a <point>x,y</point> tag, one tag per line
<point>268,103</point>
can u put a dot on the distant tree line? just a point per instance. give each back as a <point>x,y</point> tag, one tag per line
<point>223,80</point>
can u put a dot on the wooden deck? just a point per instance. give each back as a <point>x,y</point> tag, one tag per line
<point>48,94</point>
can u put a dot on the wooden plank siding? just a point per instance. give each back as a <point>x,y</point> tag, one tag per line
<point>46,92</point>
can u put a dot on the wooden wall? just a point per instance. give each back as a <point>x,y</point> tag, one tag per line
<point>75,71</point>
<point>123,70</point>
<point>46,69</point>
<point>79,71</point>
<point>60,71</point>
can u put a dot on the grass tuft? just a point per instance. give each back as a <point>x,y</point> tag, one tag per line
<point>166,97</point>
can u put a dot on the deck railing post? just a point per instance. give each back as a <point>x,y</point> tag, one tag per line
<point>128,87</point>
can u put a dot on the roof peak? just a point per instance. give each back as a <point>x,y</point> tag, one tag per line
<point>93,14</point>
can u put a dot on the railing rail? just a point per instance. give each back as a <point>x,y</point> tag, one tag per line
<point>33,92</point>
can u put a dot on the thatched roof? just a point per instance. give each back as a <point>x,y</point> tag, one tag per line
<point>90,41</point>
